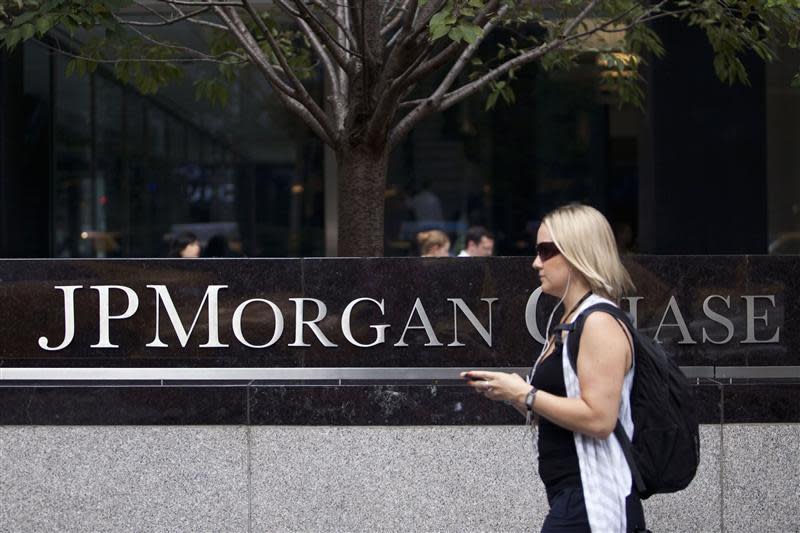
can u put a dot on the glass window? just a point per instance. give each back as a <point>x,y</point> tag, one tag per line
<point>783,154</point>
<point>110,191</point>
<point>73,195</point>
<point>130,171</point>
<point>563,140</point>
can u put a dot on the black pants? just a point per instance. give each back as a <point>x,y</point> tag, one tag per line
<point>568,513</point>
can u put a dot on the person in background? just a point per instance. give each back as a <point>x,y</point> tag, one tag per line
<point>433,243</point>
<point>480,243</point>
<point>185,244</point>
<point>218,247</point>
<point>587,479</point>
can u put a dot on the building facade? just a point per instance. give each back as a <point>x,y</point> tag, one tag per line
<point>91,168</point>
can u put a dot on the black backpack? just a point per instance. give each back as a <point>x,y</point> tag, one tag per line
<point>665,451</point>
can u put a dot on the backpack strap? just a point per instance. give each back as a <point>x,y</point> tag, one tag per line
<point>627,451</point>
<point>573,343</point>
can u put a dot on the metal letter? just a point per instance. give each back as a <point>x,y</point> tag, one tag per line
<point>105,318</point>
<point>751,320</point>
<point>458,303</point>
<point>237,323</point>
<point>69,318</point>
<point>426,325</point>
<point>633,308</point>
<point>673,306</point>
<point>530,316</point>
<point>381,329</point>
<point>718,318</point>
<point>212,294</point>
<point>322,310</point>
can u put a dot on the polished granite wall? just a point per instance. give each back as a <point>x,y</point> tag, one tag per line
<point>735,401</point>
<point>708,310</point>
<point>355,478</point>
<point>376,452</point>
<point>730,321</point>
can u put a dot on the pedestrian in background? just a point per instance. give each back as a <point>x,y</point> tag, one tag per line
<point>433,243</point>
<point>186,245</point>
<point>480,243</point>
<point>218,247</point>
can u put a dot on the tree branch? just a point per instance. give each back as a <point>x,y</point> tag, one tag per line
<point>283,91</point>
<point>402,11</point>
<point>450,50</point>
<point>389,100</point>
<point>253,50</point>
<point>430,105</point>
<point>336,48</point>
<point>411,14</point>
<point>343,14</point>
<point>60,50</point>
<point>467,54</point>
<point>191,51</point>
<point>331,71</point>
<point>217,3</point>
<point>165,21</point>
<point>300,93</point>
<point>426,13</point>
<point>339,24</point>
<point>180,12</point>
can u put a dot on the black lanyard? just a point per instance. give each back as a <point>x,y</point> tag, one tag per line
<point>558,337</point>
<point>575,307</point>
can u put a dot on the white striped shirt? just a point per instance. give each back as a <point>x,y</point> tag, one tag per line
<point>605,475</point>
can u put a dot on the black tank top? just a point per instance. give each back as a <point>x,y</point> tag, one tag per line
<point>558,459</point>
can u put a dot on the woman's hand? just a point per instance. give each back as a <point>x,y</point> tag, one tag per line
<point>498,386</point>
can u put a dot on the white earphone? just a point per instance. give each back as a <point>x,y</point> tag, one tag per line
<point>529,418</point>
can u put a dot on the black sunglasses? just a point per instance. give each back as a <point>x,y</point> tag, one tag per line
<point>547,250</point>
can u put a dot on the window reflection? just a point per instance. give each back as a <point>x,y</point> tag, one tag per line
<point>783,157</point>
<point>129,171</point>
<point>73,208</point>
<point>563,140</point>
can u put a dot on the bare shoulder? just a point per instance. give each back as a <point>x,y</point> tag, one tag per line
<point>602,328</point>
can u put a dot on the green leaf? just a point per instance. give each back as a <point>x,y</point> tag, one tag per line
<point>19,20</point>
<point>13,37</point>
<point>455,34</point>
<point>470,32</point>
<point>28,31</point>
<point>492,100</point>
<point>439,31</point>
<point>439,18</point>
<point>44,24</point>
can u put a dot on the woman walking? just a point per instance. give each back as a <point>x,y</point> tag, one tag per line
<point>586,477</point>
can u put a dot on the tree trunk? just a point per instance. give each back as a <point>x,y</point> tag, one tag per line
<point>362,186</point>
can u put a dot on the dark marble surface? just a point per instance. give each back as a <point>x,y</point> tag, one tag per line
<point>399,283</point>
<point>33,308</point>
<point>339,405</point>
<point>126,405</point>
<point>376,405</point>
<point>708,398</point>
<point>778,275</point>
<point>691,280</point>
<point>773,402</point>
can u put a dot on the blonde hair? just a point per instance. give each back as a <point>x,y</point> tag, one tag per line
<point>584,237</point>
<point>428,240</point>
